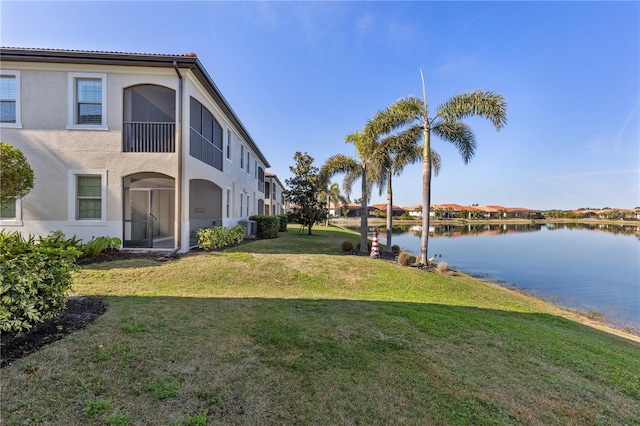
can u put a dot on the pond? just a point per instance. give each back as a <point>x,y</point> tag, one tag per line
<point>580,266</point>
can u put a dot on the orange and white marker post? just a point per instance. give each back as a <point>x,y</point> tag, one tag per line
<point>374,246</point>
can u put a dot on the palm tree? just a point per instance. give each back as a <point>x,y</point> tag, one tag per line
<point>335,197</point>
<point>447,124</point>
<point>359,167</point>
<point>395,152</point>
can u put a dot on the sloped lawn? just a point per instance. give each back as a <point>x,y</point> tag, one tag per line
<point>291,331</point>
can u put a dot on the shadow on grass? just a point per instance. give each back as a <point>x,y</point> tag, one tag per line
<point>381,362</point>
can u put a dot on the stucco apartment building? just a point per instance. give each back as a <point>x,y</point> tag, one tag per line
<point>143,147</point>
<point>274,198</point>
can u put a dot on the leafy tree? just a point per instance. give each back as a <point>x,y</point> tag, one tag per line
<point>447,124</point>
<point>304,190</point>
<point>16,176</point>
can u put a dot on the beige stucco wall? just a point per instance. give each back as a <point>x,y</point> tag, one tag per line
<point>52,149</point>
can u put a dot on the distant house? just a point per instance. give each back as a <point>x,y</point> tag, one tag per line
<point>414,211</point>
<point>382,208</point>
<point>355,210</point>
<point>143,147</point>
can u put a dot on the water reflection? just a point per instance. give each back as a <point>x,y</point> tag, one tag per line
<point>446,230</point>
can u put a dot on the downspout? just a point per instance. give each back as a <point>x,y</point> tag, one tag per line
<point>179,154</point>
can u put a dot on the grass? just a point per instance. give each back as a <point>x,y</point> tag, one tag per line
<point>290,331</point>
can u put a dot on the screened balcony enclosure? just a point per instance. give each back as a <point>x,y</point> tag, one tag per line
<point>149,121</point>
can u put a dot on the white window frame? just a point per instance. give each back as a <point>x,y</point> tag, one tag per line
<point>241,203</point>
<point>255,169</point>
<point>72,101</point>
<point>229,205</point>
<point>72,203</point>
<point>228,155</point>
<point>248,162</point>
<point>14,221</point>
<point>18,123</point>
<point>242,149</point>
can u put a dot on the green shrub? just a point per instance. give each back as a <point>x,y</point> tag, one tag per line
<point>406,259</point>
<point>219,237</point>
<point>284,221</point>
<point>268,226</point>
<point>34,278</point>
<point>346,246</point>
<point>99,244</point>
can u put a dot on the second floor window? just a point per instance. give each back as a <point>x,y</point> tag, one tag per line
<point>205,141</point>
<point>87,101</point>
<point>260,179</point>
<point>8,98</point>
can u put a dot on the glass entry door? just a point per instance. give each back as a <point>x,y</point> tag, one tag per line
<point>149,211</point>
<point>139,219</point>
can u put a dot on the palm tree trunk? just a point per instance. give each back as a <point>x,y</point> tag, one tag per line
<point>364,212</point>
<point>389,213</point>
<point>426,179</point>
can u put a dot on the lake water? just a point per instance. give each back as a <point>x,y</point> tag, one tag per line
<point>585,267</point>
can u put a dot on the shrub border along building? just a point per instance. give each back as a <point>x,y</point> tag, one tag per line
<point>219,237</point>
<point>268,226</point>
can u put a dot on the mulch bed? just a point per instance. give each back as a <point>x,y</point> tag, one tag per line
<point>79,312</point>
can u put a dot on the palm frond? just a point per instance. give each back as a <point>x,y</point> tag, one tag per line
<point>482,103</point>
<point>460,135</point>
<point>349,179</point>
<point>337,164</point>
<point>401,113</point>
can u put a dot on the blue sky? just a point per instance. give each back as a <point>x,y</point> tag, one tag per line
<point>303,75</point>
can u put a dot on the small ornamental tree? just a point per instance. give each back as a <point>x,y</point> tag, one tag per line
<point>16,176</point>
<point>303,191</point>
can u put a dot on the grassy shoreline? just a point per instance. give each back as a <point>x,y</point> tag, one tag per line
<point>290,331</point>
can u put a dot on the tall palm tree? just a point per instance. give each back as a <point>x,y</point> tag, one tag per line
<point>447,124</point>
<point>354,168</point>
<point>396,151</point>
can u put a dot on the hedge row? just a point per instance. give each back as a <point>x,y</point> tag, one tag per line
<point>219,237</point>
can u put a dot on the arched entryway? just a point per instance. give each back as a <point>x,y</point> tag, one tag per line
<point>205,207</point>
<point>149,211</point>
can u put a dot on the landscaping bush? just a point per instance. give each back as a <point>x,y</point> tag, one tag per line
<point>268,226</point>
<point>284,221</point>
<point>34,278</point>
<point>406,259</point>
<point>219,237</point>
<point>98,245</point>
<point>346,246</point>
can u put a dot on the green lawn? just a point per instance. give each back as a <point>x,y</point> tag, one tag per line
<point>290,331</point>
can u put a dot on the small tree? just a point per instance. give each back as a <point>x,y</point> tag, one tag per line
<point>16,176</point>
<point>303,191</point>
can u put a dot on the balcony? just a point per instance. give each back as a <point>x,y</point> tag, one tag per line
<point>148,137</point>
